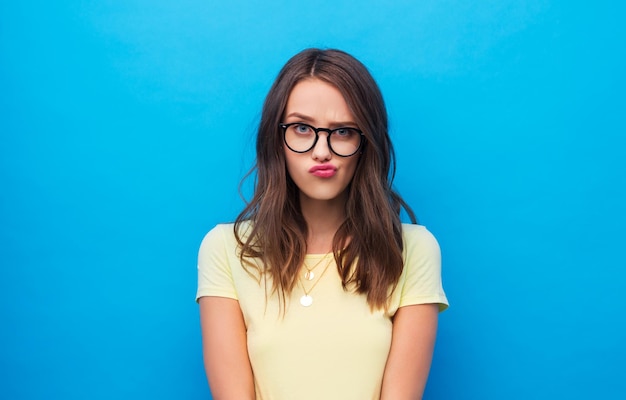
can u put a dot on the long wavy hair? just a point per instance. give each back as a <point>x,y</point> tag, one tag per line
<point>271,230</point>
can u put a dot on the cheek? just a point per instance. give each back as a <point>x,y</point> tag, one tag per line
<point>287,156</point>
<point>351,168</point>
<point>291,162</point>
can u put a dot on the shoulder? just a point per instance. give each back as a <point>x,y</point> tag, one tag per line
<point>421,280</point>
<point>224,234</point>
<point>216,258</point>
<point>219,239</point>
<point>216,240</point>
<point>418,237</point>
<point>222,240</point>
<point>219,232</point>
<point>421,252</point>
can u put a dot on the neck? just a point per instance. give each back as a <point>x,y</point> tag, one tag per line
<point>323,218</point>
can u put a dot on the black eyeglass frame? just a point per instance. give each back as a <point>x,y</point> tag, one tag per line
<point>317,136</point>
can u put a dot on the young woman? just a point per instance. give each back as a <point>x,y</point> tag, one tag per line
<point>318,291</point>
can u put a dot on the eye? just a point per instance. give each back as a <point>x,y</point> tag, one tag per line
<point>344,132</point>
<point>302,129</point>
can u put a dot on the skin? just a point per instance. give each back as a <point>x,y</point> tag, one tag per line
<point>322,200</point>
<point>225,349</point>
<point>227,364</point>
<point>412,344</point>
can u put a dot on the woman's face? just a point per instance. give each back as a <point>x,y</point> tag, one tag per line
<point>319,173</point>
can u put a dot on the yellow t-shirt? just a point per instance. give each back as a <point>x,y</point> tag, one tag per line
<point>336,348</point>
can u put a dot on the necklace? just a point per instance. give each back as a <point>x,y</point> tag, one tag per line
<point>309,274</point>
<point>306,300</point>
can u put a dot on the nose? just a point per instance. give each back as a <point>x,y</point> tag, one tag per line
<point>321,151</point>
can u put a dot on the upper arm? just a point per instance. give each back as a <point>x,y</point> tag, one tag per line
<point>224,344</point>
<point>421,282</point>
<point>412,343</point>
<point>224,336</point>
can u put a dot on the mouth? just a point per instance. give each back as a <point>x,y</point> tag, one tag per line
<point>323,171</point>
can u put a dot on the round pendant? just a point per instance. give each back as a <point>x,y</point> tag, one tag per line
<point>309,275</point>
<point>306,300</point>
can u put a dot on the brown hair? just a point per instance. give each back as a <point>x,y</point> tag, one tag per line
<point>368,245</point>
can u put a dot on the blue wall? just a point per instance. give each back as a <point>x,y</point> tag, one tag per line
<point>125,127</point>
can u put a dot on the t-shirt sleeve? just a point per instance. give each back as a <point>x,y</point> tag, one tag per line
<point>215,276</point>
<point>422,283</point>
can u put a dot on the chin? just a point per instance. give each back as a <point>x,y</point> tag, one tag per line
<point>324,196</point>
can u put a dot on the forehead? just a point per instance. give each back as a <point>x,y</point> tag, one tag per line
<point>318,100</point>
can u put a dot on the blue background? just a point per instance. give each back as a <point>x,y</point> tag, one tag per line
<point>125,127</point>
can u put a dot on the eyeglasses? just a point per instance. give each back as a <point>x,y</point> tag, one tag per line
<point>300,138</point>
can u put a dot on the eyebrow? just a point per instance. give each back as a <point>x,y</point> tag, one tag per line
<point>308,119</point>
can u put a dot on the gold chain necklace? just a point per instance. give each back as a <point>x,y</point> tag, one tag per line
<point>309,274</point>
<point>306,300</point>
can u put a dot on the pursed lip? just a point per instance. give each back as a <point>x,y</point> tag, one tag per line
<point>322,167</point>
<point>323,170</point>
